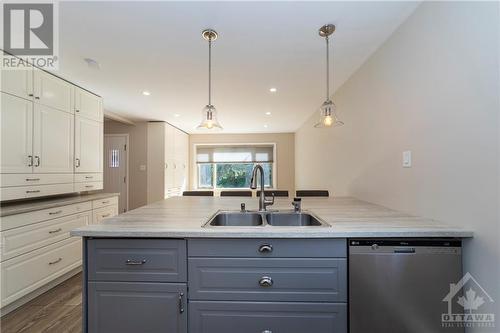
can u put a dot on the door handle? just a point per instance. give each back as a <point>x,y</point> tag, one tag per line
<point>30,160</point>
<point>55,231</point>
<point>37,158</point>
<point>265,281</point>
<point>181,303</point>
<point>77,160</point>
<point>266,248</point>
<point>56,212</point>
<point>55,261</point>
<point>135,262</point>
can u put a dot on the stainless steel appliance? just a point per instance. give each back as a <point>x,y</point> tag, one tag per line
<point>398,285</point>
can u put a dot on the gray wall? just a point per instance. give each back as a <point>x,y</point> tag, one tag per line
<point>432,88</point>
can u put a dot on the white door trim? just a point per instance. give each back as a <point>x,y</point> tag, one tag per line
<point>127,137</point>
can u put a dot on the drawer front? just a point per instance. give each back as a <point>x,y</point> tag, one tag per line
<point>280,248</point>
<point>24,239</point>
<point>8,180</point>
<point>104,202</point>
<point>26,273</point>
<point>136,307</point>
<point>104,213</point>
<point>272,279</point>
<point>25,192</point>
<point>19,220</point>
<point>268,317</point>
<point>88,186</point>
<point>148,260</point>
<point>88,177</point>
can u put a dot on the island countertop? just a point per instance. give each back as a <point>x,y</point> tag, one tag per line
<point>184,217</point>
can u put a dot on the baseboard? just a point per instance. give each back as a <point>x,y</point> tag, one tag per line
<point>26,298</point>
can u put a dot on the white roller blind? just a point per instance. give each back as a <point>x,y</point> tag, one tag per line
<point>235,154</point>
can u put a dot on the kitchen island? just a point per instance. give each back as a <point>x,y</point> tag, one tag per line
<point>161,268</point>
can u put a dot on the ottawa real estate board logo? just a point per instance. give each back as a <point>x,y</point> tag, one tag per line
<point>466,299</point>
<point>30,35</point>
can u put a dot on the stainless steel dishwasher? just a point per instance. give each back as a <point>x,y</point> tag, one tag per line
<point>398,285</point>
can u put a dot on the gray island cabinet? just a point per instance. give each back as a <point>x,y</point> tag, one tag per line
<point>215,285</point>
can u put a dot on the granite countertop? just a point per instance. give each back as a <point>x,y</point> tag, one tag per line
<point>26,206</point>
<point>183,217</point>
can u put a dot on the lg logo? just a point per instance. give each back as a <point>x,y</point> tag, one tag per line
<point>28,29</point>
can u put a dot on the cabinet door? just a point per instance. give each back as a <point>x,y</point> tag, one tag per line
<point>18,82</point>
<point>88,145</point>
<point>88,105</point>
<point>53,137</point>
<point>52,91</point>
<point>16,116</point>
<point>131,307</point>
<point>103,213</point>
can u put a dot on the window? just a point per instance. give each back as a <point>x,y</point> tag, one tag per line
<point>231,166</point>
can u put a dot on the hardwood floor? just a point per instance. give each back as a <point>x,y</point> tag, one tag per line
<point>59,310</point>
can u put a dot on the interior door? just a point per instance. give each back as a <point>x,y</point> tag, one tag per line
<point>88,145</point>
<point>115,168</point>
<point>53,136</point>
<point>16,117</point>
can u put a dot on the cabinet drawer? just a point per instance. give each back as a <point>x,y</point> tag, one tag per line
<point>26,273</point>
<point>88,177</point>
<point>269,317</point>
<point>104,202</point>
<point>282,248</point>
<point>104,213</point>
<point>8,180</point>
<point>88,186</point>
<point>24,239</point>
<point>272,279</point>
<point>133,307</point>
<point>25,192</point>
<point>19,220</point>
<point>154,260</point>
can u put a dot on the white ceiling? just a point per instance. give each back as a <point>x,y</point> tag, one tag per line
<point>157,46</point>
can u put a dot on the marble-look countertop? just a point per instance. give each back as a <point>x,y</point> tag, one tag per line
<point>183,217</point>
<point>26,206</point>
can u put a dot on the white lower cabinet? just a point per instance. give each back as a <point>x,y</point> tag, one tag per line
<point>103,213</point>
<point>26,192</point>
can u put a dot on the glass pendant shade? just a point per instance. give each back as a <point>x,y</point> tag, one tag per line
<point>328,116</point>
<point>209,118</point>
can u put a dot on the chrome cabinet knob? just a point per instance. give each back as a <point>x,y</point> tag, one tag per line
<point>265,281</point>
<point>266,248</point>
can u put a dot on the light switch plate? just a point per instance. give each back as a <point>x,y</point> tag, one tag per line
<point>407,159</point>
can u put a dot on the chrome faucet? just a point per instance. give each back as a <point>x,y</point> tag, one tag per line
<point>263,202</point>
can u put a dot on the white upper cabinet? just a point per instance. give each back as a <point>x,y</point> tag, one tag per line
<point>52,91</point>
<point>88,145</point>
<point>88,105</point>
<point>16,116</point>
<point>52,140</point>
<point>18,82</point>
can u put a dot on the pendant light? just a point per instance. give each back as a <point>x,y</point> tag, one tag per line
<point>209,113</point>
<point>327,111</point>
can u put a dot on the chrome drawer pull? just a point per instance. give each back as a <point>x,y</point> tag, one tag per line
<point>266,248</point>
<point>56,212</point>
<point>55,261</point>
<point>55,231</point>
<point>89,177</point>
<point>181,303</point>
<point>34,191</point>
<point>89,186</point>
<point>32,179</point>
<point>265,281</point>
<point>135,262</point>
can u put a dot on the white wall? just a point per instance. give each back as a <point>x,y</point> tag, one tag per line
<point>432,88</point>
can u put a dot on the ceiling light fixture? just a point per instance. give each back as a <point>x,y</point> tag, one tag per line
<point>273,90</point>
<point>209,113</point>
<point>327,111</point>
<point>265,125</point>
<point>146,93</point>
<point>268,113</point>
<point>177,115</point>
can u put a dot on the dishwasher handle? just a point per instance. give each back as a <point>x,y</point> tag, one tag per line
<point>404,250</point>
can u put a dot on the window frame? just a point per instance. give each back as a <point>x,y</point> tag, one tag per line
<point>214,187</point>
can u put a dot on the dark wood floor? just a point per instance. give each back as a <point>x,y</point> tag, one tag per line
<point>59,310</point>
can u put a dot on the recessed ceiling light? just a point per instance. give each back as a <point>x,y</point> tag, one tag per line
<point>273,90</point>
<point>176,115</point>
<point>92,63</point>
<point>146,93</point>
<point>265,125</point>
<point>268,113</point>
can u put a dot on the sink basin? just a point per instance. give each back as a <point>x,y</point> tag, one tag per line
<point>235,219</point>
<point>293,220</point>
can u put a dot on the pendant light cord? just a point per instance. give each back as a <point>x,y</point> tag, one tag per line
<point>210,71</point>
<point>327,70</point>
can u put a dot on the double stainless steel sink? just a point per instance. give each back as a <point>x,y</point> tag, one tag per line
<point>263,219</point>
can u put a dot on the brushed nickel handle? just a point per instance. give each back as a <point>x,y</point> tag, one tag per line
<point>30,95</point>
<point>56,212</point>
<point>37,158</point>
<point>105,215</point>
<point>181,303</point>
<point>105,202</point>
<point>55,231</point>
<point>76,110</point>
<point>89,186</point>
<point>135,262</point>
<point>266,248</point>
<point>33,191</point>
<point>30,160</point>
<point>89,177</point>
<point>37,97</point>
<point>265,281</point>
<point>77,160</point>
<point>32,179</point>
<point>55,261</point>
